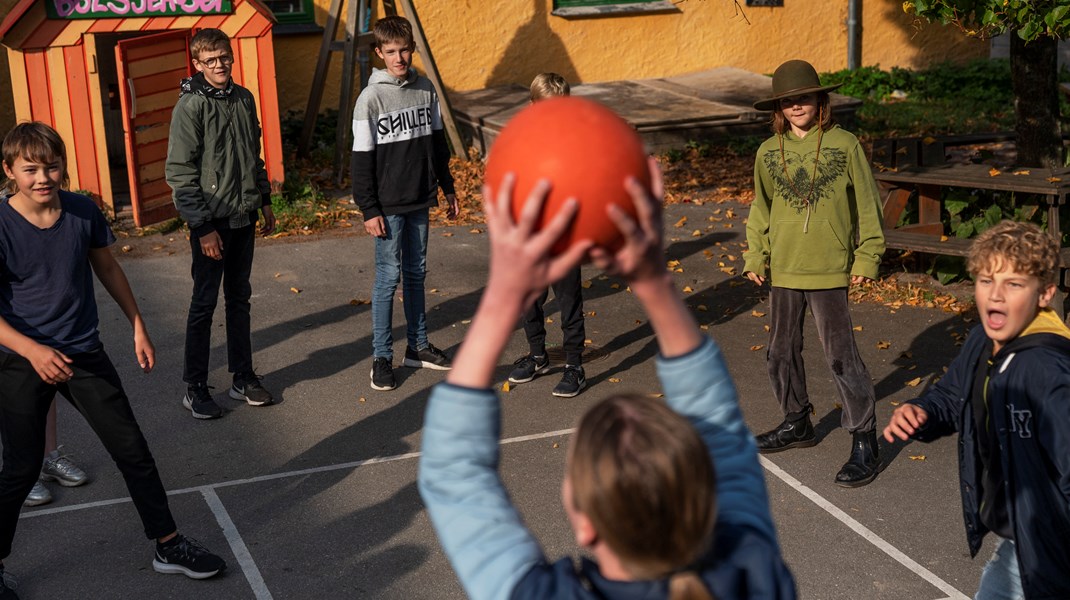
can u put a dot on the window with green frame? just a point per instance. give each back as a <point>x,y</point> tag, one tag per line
<point>582,8</point>
<point>293,11</point>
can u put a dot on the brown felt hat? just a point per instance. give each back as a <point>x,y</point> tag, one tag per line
<point>793,78</point>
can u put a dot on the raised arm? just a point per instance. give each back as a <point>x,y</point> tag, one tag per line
<point>480,530</point>
<point>692,371</point>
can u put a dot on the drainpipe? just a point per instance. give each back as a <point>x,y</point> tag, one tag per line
<point>854,34</point>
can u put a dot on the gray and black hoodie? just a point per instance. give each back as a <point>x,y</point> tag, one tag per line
<point>400,156</point>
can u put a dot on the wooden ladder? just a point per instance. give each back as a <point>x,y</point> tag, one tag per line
<point>356,20</point>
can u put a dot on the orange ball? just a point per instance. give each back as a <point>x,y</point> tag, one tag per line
<point>585,150</point>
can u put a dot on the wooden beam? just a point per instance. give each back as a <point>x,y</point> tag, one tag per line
<point>432,73</point>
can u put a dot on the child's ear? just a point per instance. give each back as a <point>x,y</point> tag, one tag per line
<point>379,53</point>
<point>583,529</point>
<point>1046,294</point>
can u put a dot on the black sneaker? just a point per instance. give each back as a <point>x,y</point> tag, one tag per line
<point>527,367</point>
<point>7,586</point>
<point>383,374</point>
<point>572,382</point>
<point>247,387</point>
<point>429,357</point>
<point>187,556</point>
<point>198,400</point>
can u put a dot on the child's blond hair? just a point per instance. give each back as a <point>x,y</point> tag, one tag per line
<point>1022,247</point>
<point>207,40</point>
<point>34,142</point>
<point>643,476</point>
<point>548,85</point>
<point>393,29</point>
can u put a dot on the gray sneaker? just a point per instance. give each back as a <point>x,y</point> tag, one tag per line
<point>38,495</point>
<point>572,382</point>
<point>59,468</point>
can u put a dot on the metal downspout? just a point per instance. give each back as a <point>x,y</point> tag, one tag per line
<point>854,34</point>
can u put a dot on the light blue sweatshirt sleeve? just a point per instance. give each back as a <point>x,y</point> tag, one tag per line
<point>480,530</point>
<point>697,385</point>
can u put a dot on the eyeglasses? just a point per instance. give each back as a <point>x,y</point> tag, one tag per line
<point>226,60</point>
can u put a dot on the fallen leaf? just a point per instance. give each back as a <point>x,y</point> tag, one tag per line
<point>466,321</point>
<point>681,222</point>
<point>505,387</point>
<point>587,342</point>
<point>656,395</point>
<point>615,286</point>
<point>277,275</point>
<point>295,290</point>
<point>1054,180</point>
<point>994,172</point>
<point>475,230</point>
<point>857,328</point>
<point>755,313</point>
<point>127,248</point>
<point>765,327</point>
<point>918,457</point>
<point>361,399</point>
<point>357,301</point>
<point>687,289</point>
<point>555,445</point>
<point>613,380</point>
<point>1021,172</point>
<point>672,264</point>
<point>447,234</point>
<point>433,291</point>
<point>701,308</point>
<point>591,313</point>
<point>882,345</point>
<point>586,284</point>
<point>893,403</point>
<point>943,238</point>
<point>757,347</point>
<point>914,382</point>
<point>704,327</point>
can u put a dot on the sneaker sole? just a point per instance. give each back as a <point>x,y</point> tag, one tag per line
<point>416,364</point>
<point>558,394</point>
<point>381,388</point>
<point>538,372</point>
<point>64,482</point>
<point>196,415</point>
<point>236,395</point>
<point>802,444</point>
<point>169,569</point>
<point>29,502</point>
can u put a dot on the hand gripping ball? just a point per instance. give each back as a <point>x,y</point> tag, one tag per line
<point>585,150</point>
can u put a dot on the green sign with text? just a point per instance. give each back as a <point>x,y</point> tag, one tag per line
<point>118,9</point>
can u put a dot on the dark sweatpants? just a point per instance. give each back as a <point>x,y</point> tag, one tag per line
<point>97,393</point>
<point>785,361</point>
<point>569,294</point>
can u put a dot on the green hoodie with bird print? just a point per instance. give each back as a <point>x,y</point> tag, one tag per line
<point>816,216</point>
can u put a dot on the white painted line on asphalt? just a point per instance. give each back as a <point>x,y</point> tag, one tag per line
<point>862,530</point>
<point>237,545</point>
<point>274,476</point>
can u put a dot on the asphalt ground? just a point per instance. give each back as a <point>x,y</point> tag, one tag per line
<point>316,496</point>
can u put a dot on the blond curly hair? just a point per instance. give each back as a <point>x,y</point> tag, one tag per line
<point>1022,247</point>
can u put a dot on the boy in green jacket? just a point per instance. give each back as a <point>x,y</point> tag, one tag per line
<point>219,182</point>
<point>814,196</point>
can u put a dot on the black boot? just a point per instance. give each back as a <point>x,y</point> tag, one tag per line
<point>787,435</point>
<point>864,463</point>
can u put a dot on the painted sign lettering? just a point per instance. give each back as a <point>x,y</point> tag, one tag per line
<point>105,9</point>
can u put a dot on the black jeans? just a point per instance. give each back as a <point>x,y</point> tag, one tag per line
<point>233,271</point>
<point>786,370</point>
<point>97,393</point>
<point>569,296</point>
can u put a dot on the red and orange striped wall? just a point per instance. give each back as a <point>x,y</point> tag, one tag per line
<point>54,78</point>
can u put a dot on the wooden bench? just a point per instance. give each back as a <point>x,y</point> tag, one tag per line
<point>928,235</point>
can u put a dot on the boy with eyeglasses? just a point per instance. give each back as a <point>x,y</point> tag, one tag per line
<point>219,183</point>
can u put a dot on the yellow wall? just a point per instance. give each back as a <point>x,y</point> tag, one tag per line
<point>476,46</point>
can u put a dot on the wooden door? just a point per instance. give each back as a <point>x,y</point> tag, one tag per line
<point>150,69</point>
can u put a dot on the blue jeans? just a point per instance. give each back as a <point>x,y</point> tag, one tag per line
<point>401,255</point>
<point>1000,579</point>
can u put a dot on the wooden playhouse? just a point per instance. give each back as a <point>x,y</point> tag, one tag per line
<point>105,74</point>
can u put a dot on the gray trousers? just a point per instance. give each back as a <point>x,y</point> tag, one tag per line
<point>785,361</point>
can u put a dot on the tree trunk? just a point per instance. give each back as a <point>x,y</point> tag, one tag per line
<point>1034,69</point>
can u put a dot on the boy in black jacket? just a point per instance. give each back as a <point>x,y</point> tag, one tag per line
<point>218,182</point>
<point>1008,396</point>
<point>400,159</point>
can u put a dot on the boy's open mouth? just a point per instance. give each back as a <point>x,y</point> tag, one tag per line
<point>996,319</point>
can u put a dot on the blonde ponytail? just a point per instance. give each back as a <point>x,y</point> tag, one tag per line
<point>687,585</point>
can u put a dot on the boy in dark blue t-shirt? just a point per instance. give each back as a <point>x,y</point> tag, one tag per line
<point>51,243</point>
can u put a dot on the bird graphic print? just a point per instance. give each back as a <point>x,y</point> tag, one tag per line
<point>803,179</point>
